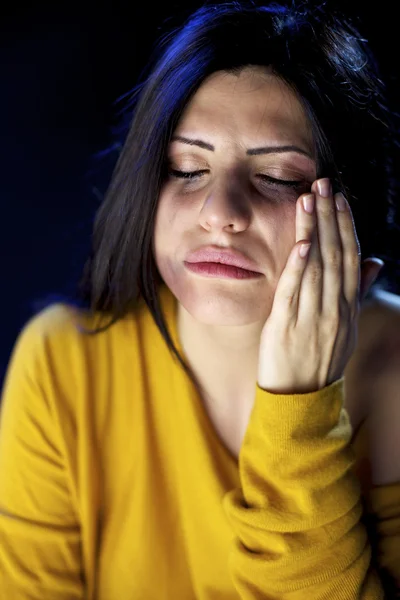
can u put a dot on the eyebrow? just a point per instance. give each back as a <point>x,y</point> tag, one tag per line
<point>250,152</point>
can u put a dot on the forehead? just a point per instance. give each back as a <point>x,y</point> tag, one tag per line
<point>251,105</point>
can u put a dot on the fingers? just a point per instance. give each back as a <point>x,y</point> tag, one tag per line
<point>351,251</point>
<point>307,228</point>
<point>330,244</point>
<point>333,266</point>
<point>287,294</point>
<point>286,298</point>
<point>331,271</point>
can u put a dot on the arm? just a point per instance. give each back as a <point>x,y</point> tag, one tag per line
<point>383,519</point>
<point>40,553</point>
<point>384,449</point>
<point>297,516</point>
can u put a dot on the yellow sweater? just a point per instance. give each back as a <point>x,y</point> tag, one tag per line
<point>114,485</point>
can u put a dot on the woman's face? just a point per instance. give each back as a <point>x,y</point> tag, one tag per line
<point>231,202</point>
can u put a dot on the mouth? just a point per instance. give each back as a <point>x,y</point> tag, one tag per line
<point>226,256</point>
<point>221,271</point>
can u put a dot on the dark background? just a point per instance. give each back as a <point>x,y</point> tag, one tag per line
<point>62,68</point>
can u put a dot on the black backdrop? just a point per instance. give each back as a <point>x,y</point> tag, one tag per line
<point>62,67</point>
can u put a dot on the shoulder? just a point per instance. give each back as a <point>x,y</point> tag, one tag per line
<point>51,320</point>
<point>382,375</point>
<point>62,320</point>
<point>62,357</point>
<point>63,336</point>
<point>380,326</point>
<point>375,363</point>
<point>379,372</point>
<point>53,324</point>
<point>386,305</point>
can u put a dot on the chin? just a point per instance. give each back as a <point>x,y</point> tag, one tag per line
<point>222,302</point>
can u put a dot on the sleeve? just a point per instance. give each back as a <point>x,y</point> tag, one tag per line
<point>297,517</point>
<point>40,547</point>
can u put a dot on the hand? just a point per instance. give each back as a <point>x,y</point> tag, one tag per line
<point>311,332</point>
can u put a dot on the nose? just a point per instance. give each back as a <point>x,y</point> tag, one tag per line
<point>226,208</point>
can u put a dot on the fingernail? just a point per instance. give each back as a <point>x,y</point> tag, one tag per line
<point>340,201</point>
<point>308,203</point>
<point>304,248</point>
<point>324,187</point>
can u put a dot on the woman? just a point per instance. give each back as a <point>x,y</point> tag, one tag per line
<point>233,471</point>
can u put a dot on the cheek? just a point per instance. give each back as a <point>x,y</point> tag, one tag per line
<point>279,227</point>
<point>168,229</point>
<point>170,214</point>
<point>164,221</point>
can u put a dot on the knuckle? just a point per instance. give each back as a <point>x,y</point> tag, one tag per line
<point>334,258</point>
<point>315,273</point>
<point>327,211</point>
<point>290,298</point>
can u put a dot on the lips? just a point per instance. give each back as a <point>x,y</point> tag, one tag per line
<point>225,256</point>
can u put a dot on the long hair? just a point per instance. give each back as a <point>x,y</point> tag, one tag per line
<point>321,56</point>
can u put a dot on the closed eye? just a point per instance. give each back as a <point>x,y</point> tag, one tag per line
<point>286,182</point>
<point>267,178</point>
<point>186,174</point>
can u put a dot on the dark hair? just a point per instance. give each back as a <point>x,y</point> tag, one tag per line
<point>320,55</point>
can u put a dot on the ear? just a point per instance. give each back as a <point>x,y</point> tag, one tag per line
<point>370,269</point>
